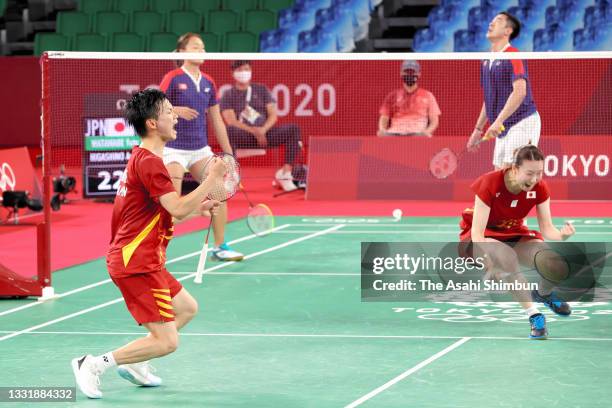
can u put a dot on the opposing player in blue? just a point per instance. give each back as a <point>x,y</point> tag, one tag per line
<point>508,102</point>
<point>193,95</point>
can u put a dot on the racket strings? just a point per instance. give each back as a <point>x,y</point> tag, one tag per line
<point>260,219</point>
<point>443,163</point>
<point>227,187</point>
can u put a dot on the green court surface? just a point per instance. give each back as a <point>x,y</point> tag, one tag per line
<point>286,328</point>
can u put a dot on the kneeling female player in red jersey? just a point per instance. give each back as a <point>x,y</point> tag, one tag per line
<point>503,199</point>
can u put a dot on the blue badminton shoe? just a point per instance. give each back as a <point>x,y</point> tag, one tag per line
<point>554,303</point>
<point>538,327</point>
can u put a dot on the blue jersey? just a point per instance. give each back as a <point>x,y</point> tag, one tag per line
<point>183,91</point>
<point>496,78</point>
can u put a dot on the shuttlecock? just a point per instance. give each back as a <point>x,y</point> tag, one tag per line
<point>397,214</point>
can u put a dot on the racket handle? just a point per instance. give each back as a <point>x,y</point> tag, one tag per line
<point>201,264</point>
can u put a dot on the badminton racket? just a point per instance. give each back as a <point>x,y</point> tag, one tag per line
<point>260,218</point>
<point>444,163</point>
<point>222,191</point>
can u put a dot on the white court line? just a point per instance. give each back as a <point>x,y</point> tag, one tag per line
<point>274,248</point>
<point>410,224</point>
<point>275,273</point>
<point>406,373</point>
<point>245,238</point>
<point>455,231</point>
<point>306,335</point>
<point>105,281</point>
<point>419,231</point>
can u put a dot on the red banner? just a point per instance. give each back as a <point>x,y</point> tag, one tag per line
<point>337,98</point>
<point>371,168</point>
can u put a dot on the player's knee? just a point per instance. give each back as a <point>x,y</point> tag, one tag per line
<point>551,265</point>
<point>506,264</point>
<point>167,344</point>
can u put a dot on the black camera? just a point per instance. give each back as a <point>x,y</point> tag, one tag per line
<point>62,185</point>
<point>15,200</point>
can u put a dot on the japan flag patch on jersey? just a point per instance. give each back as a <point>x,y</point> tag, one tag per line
<point>531,194</point>
<point>182,87</point>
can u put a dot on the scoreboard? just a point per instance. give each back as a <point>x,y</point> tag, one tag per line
<point>107,144</point>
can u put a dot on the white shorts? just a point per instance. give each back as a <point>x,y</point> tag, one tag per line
<point>186,158</point>
<point>525,132</point>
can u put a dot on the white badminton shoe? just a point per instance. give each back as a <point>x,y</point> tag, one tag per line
<point>87,376</point>
<point>139,374</point>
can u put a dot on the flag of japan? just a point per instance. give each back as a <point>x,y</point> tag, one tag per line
<point>117,127</point>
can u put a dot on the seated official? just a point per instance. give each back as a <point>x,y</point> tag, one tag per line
<point>410,110</point>
<point>249,110</point>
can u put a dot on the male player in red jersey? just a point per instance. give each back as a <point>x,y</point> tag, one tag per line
<point>503,199</point>
<point>142,226</point>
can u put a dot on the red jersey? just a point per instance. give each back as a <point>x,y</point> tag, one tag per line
<point>141,228</point>
<point>508,210</point>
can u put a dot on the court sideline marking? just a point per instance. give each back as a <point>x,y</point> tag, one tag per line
<point>315,336</point>
<point>90,309</point>
<point>105,281</point>
<point>408,372</point>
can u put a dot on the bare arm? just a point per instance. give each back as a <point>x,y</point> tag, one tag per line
<point>260,134</point>
<point>185,112</point>
<point>479,220</point>
<point>205,209</point>
<point>383,125</point>
<point>180,207</point>
<point>230,118</point>
<point>434,121</point>
<point>482,118</point>
<point>272,117</point>
<point>547,228</point>
<point>519,91</point>
<point>214,113</point>
<point>477,132</point>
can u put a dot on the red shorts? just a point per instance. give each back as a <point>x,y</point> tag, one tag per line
<point>148,296</point>
<point>506,235</point>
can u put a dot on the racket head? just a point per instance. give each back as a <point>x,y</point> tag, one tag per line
<point>551,266</point>
<point>227,187</point>
<point>260,220</point>
<point>443,163</point>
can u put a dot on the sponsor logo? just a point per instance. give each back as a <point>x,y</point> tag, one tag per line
<point>577,165</point>
<point>7,177</point>
<point>514,203</point>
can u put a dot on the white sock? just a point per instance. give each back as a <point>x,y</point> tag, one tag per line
<point>105,361</point>
<point>531,311</point>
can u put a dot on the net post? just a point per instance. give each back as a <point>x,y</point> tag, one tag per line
<point>44,228</point>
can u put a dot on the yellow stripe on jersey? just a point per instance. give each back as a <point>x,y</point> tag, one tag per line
<point>161,290</point>
<point>163,305</point>
<point>164,314</point>
<point>129,249</point>
<point>163,297</point>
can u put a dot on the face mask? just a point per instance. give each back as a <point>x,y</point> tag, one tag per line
<point>242,76</point>
<point>410,79</point>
